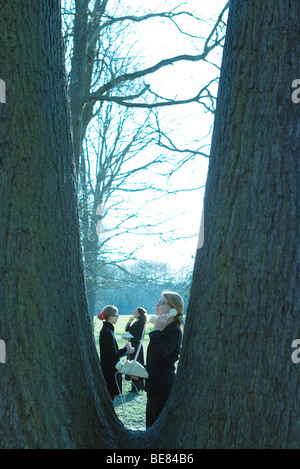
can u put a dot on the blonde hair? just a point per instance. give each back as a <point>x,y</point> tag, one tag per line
<point>176,302</point>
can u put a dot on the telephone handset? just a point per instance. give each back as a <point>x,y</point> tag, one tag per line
<point>164,317</point>
<point>127,336</point>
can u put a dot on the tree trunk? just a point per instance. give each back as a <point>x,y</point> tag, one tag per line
<point>78,73</point>
<point>244,307</point>
<point>52,391</point>
<point>236,384</point>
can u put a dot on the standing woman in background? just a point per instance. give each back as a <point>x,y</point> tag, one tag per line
<point>162,353</point>
<point>109,351</point>
<point>136,329</point>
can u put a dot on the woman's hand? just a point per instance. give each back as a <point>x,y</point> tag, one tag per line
<point>161,322</point>
<point>130,349</point>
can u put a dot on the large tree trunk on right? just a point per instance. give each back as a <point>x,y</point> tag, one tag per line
<point>243,315</point>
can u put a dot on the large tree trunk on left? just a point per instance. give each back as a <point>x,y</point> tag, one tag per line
<point>52,391</point>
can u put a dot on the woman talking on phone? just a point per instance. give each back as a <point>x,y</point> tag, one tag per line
<point>109,350</point>
<point>135,326</point>
<point>163,352</point>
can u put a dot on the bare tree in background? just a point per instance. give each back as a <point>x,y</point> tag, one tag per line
<point>100,70</point>
<point>115,117</point>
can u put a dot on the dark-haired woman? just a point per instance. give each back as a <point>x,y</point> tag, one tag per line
<point>136,329</point>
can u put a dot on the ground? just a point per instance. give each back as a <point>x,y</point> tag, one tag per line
<point>131,408</point>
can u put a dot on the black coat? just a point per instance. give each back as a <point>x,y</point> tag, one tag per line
<point>109,357</point>
<point>162,354</point>
<point>136,329</point>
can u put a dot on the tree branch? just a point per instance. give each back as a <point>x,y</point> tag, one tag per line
<point>122,100</point>
<point>141,73</point>
<point>138,19</point>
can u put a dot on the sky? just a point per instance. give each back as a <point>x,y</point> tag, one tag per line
<point>188,123</point>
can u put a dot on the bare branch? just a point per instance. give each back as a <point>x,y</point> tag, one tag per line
<point>141,73</point>
<point>168,102</point>
<point>137,19</point>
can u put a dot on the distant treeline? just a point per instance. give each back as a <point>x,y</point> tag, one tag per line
<point>130,292</point>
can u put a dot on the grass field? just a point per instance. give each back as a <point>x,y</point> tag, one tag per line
<point>119,329</point>
<point>130,408</point>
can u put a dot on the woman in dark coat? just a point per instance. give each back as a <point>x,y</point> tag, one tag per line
<point>162,353</point>
<point>109,351</point>
<point>136,329</point>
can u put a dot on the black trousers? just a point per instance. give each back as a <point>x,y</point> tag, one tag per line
<point>137,384</point>
<point>155,404</point>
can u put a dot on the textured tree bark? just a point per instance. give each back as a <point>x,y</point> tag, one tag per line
<point>236,385</point>
<point>52,392</point>
<point>244,308</point>
<point>78,76</point>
